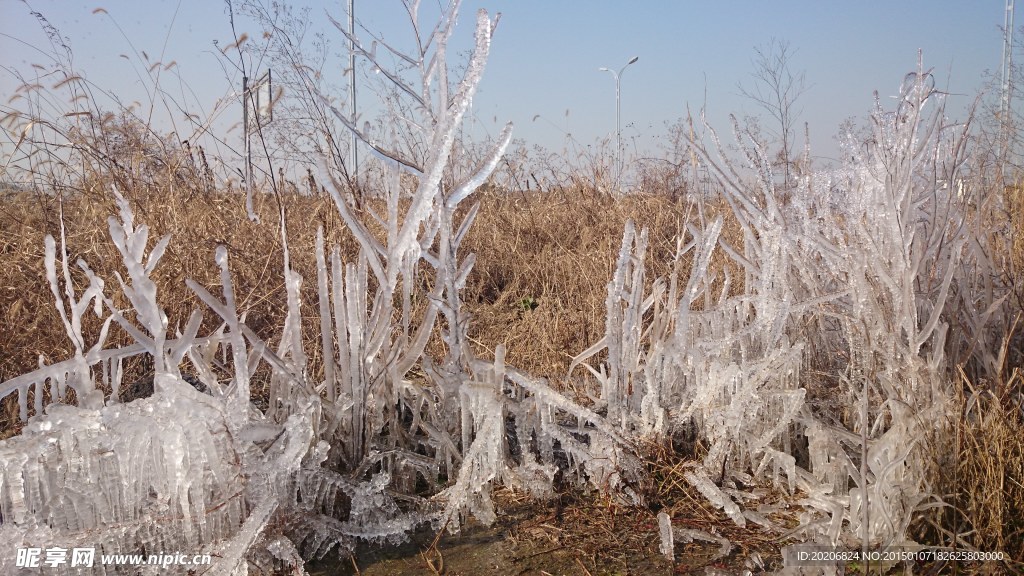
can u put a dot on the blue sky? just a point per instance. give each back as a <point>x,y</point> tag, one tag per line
<point>546,55</point>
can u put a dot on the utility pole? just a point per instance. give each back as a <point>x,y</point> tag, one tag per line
<point>245,126</point>
<point>354,152</point>
<point>246,105</point>
<point>257,112</point>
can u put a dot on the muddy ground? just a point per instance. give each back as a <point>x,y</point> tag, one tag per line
<point>571,535</point>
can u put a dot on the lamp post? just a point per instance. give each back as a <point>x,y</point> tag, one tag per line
<point>618,117</point>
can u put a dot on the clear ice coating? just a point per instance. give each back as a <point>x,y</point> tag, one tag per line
<point>667,544</point>
<point>833,269</point>
<point>126,477</point>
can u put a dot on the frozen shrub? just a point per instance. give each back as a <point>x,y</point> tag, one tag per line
<point>316,469</point>
<point>865,275</point>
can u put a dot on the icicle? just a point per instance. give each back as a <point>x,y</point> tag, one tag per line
<point>667,546</point>
<point>687,535</point>
<point>715,496</point>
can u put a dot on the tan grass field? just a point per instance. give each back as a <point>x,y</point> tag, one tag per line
<point>538,286</point>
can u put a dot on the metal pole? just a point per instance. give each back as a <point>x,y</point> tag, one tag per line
<point>352,82</point>
<point>1004,101</point>
<point>248,149</point>
<point>618,131</point>
<point>618,117</point>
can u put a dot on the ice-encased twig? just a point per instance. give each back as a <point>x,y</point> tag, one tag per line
<point>131,244</point>
<point>687,535</point>
<point>484,446</point>
<point>667,545</point>
<point>699,480</point>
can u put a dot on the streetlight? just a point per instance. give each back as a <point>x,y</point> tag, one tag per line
<point>618,117</point>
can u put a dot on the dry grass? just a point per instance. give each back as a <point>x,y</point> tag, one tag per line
<point>983,474</point>
<point>539,285</point>
<point>543,263</point>
<point>198,223</point>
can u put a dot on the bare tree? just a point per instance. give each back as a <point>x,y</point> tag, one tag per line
<point>777,89</point>
<point>303,127</point>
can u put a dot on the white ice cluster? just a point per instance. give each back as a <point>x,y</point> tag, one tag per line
<point>857,289</point>
<point>131,478</point>
<point>175,471</point>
